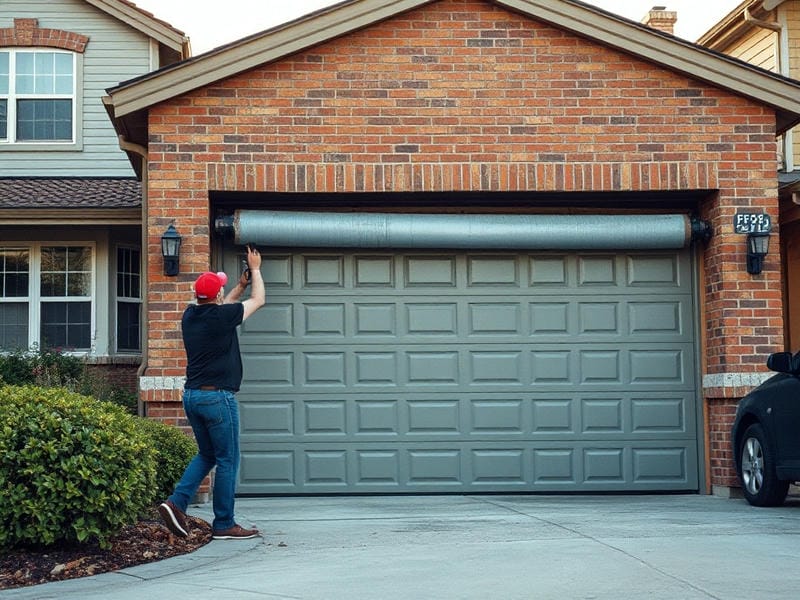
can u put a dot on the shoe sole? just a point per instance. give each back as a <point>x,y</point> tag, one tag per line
<point>171,520</point>
<point>234,537</point>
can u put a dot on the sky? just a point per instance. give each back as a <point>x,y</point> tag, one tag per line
<point>208,27</point>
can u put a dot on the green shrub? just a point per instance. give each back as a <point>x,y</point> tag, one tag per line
<point>101,388</point>
<point>45,368</point>
<point>52,368</point>
<point>71,468</point>
<point>173,451</point>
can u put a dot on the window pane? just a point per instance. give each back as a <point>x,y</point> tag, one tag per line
<point>24,84</point>
<point>66,325</point>
<point>54,284</point>
<point>136,286</point>
<point>53,325</point>
<point>25,63</point>
<point>3,119</point>
<point>14,325</point>
<point>79,259</point>
<point>63,74</point>
<point>54,259</point>
<point>128,323</point>
<point>63,84</point>
<point>79,284</point>
<point>63,64</point>
<point>24,79</point>
<point>5,72</point>
<point>128,273</point>
<point>66,271</point>
<point>15,285</point>
<point>13,273</point>
<point>43,84</point>
<point>44,63</point>
<point>16,259</point>
<point>44,120</point>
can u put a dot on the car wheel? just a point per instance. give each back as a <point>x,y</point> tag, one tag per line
<point>760,482</point>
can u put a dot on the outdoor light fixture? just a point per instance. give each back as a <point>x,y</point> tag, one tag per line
<point>757,249</point>
<point>170,250</point>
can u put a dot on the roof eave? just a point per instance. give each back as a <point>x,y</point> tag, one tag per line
<point>150,26</point>
<point>70,216</point>
<point>253,51</point>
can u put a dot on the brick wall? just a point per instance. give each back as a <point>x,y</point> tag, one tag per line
<point>461,95</point>
<point>122,376</point>
<point>721,413</point>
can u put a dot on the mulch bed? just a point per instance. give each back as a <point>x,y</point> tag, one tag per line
<point>143,542</point>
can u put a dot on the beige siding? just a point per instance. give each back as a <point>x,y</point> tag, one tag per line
<point>758,48</point>
<point>115,53</point>
<point>792,15</point>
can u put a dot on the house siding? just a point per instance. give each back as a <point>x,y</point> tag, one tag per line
<point>461,95</point>
<point>792,18</point>
<point>115,52</point>
<point>758,48</point>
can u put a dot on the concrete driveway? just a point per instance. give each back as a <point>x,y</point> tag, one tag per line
<point>477,547</point>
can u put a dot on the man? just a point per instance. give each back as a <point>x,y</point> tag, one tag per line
<point>213,375</point>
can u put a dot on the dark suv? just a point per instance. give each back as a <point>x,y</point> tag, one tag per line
<point>766,433</point>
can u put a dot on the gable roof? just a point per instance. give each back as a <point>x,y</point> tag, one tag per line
<point>147,23</point>
<point>128,102</point>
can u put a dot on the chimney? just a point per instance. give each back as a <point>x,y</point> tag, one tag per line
<point>662,19</point>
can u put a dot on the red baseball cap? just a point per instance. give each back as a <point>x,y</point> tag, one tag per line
<point>209,284</point>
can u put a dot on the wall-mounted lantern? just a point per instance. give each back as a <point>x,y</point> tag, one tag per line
<point>756,226</point>
<point>170,250</point>
<point>757,249</point>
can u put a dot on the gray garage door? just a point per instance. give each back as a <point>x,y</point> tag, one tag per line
<point>470,372</point>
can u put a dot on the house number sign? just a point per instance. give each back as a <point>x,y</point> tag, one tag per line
<point>752,223</point>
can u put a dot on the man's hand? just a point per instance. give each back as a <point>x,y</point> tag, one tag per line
<point>253,258</point>
<point>257,293</point>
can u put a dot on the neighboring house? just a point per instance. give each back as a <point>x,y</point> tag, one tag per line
<point>484,227</point>
<point>767,33</point>
<point>70,203</point>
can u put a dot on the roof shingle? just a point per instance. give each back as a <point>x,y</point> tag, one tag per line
<point>70,193</point>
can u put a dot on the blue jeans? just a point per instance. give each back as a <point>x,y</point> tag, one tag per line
<point>214,417</point>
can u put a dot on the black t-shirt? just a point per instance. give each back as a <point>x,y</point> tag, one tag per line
<point>212,345</point>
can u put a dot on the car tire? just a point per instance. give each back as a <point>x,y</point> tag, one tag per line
<point>757,473</point>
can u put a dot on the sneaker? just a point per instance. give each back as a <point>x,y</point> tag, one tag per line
<point>237,532</point>
<point>174,518</point>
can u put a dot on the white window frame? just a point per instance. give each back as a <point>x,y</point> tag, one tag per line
<point>10,142</point>
<point>127,299</point>
<point>34,297</point>
<point>19,299</point>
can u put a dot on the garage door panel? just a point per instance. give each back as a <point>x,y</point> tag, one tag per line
<point>647,270</point>
<point>430,271</point>
<point>582,273</point>
<point>432,416</point>
<point>502,271</point>
<point>331,367</point>
<point>323,320</point>
<point>276,269</point>
<point>463,371</point>
<point>489,319</point>
<point>323,272</point>
<point>270,368</point>
<point>440,466</point>
<point>374,271</point>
